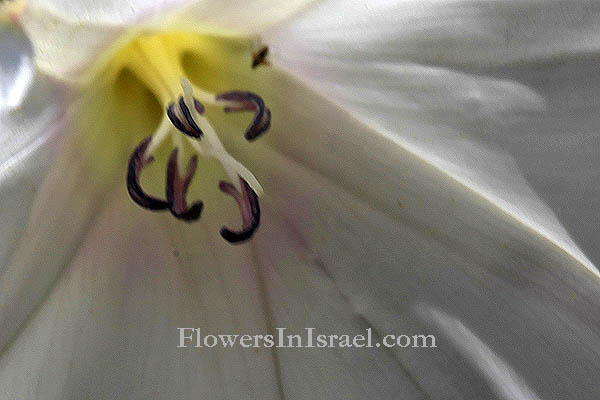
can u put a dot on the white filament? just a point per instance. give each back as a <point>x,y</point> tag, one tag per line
<point>211,145</point>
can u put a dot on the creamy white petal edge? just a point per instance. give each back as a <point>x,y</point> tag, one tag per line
<point>54,25</point>
<point>381,239</point>
<point>471,87</point>
<point>30,111</point>
<point>16,66</point>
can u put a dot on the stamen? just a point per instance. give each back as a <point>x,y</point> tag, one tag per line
<point>187,115</point>
<point>260,57</point>
<point>177,187</point>
<point>182,118</point>
<point>249,208</point>
<point>137,162</point>
<point>212,146</point>
<point>247,101</point>
<point>175,119</point>
<point>159,135</point>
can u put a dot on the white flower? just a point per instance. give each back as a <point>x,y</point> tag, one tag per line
<point>413,149</point>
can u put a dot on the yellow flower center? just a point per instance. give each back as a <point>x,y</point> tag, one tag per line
<point>159,90</point>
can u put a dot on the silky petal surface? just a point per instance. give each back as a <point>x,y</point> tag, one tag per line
<point>109,330</point>
<point>28,148</point>
<point>31,109</point>
<point>380,240</point>
<point>75,183</point>
<point>16,66</point>
<point>401,241</point>
<point>497,95</point>
<point>69,38</point>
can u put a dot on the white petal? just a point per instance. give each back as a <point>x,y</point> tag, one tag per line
<point>109,327</point>
<point>16,66</point>
<point>46,237</point>
<point>396,236</point>
<point>503,379</point>
<point>443,32</point>
<point>558,149</point>
<point>301,294</point>
<point>231,16</point>
<point>69,37</point>
<point>108,12</point>
<point>415,71</point>
<point>29,133</point>
<point>376,239</point>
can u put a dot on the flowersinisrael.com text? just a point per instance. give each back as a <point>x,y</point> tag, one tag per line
<point>194,338</point>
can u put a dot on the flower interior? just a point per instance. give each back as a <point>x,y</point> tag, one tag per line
<point>160,90</point>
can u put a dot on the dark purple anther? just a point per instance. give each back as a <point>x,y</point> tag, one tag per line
<point>248,101</point>
<point>188,116</point>
<point>177,183</point>
<point>182,119</point>
<point>249,208</point>
<point>177,187</point>
<point>175,119</point>
<point>136,163</point>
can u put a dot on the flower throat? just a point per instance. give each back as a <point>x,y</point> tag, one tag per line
<point>156,62</point>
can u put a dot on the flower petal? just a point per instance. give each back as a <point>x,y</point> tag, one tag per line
<point>233,17</point>
<point>377,239</point>
<point>457,33</point>
<point>16,66</point>
<point>30,119</point>
<point>397,238</point>
<point>98,27</point>
<point>440,78</point>
<point>109,327</point>
<point>54,226</point>
<point>381,239</point>
<point>502,378</point>
<point>51,219</point>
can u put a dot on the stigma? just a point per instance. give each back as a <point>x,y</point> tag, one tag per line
<point>185,122</point>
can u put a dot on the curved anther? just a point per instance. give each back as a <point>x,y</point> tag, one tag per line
<point>137,162</point>
<point>248,101</point>
<point>181,117</point>
<point>177,187</point>
<point>175,119</point>
<point>187,115</point>
<point>249,208</point>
